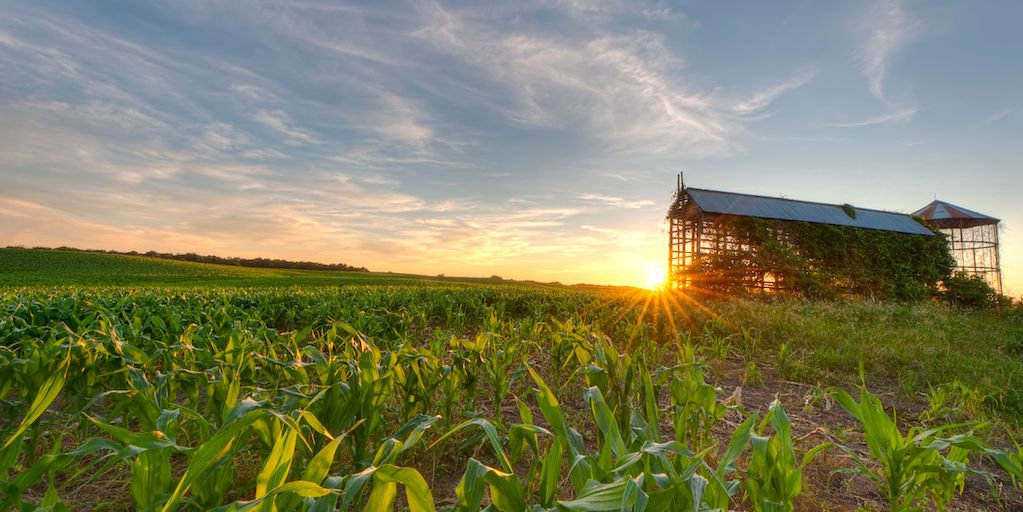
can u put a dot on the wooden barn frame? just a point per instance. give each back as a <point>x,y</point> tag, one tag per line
<point>701,226</point>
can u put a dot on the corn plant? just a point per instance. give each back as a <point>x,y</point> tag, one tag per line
<point>329,399</point>
<point>1012,462</point>
<point>695,403</point>
<point>615,375</point>
<point>566,347</point>
<point>384,480</point>
<point>773,476</point>
<point>719,344</point>
<point>468,363</point>
<point>752,376</point>
<point>501,367</point>
<point>951,401</point>
<point>11,449</point>
<point>912,470</point>
<point>418,375</point>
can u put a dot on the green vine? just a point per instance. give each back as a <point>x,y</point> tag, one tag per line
<point>849,210</point>
<point>821,260</point>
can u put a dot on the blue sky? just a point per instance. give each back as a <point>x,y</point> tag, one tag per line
<point>531,140</point>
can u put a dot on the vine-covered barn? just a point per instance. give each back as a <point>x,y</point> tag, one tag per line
<point>725,241</point>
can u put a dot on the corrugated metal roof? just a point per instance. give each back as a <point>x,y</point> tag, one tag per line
<point>939,211</point>
<point>729,203</point>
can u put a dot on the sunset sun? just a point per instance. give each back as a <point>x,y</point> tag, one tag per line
<point>655,276</point>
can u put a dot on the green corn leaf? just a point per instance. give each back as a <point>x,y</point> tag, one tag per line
<point>385,479</point>
<point>605,420</point>
<point>848,403</point>
<point>45,396</point>
<point>550,473</point>
<point>634,498</point>
<point>491,433</point>
<point>57,462</point>
<point>278,463</point>
<point>407,436</point>
<point>551,410</point>
<point>381,498</point>
<point>471,487</point>
<point>505,491</point>
<point>597,497</point>
<point>300,488</point>
<point>216,448</point>
<point>155,440</point>
<point>417,493</point>
<point>319,466</point>
<point>736,445</point>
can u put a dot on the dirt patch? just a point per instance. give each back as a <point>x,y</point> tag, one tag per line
<point>816,419</point>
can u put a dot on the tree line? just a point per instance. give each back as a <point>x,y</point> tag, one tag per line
<point>220,260</point>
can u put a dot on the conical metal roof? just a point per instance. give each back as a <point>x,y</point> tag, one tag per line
<point>944,214</point>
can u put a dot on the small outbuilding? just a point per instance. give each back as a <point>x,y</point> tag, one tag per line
<point>972,239</point>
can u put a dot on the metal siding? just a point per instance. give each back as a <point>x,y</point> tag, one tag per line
<point>713,201</point>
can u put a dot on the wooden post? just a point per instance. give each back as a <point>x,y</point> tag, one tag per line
<point>998,263</point>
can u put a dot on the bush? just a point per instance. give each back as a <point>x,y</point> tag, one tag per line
<point>970,291</point>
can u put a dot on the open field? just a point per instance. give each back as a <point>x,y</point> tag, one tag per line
<point>48,267</point>
<point>130,383</point>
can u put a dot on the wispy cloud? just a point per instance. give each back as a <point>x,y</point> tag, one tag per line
<point>890,28</point>
<point>398,120</point>
<point>904,115</point>
<point>280,123</point>
<point>617,202</point>
<point>762,99</point>
<point>624,88</point>
<point>998,116</point>
<point>603,11</point>
<point>427,136</point>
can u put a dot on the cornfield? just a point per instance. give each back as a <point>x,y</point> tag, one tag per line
<point>367,398</point>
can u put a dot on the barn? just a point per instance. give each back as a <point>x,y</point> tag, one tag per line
<point>726,241</point>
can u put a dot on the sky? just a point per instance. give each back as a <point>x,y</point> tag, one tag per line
<point>531,140</point>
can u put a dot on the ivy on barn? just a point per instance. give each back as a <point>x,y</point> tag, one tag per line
<point>821,260</point>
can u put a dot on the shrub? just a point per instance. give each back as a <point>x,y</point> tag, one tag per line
<point>970,291</point>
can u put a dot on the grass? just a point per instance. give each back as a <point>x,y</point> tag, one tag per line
<point>197,386</point>
<point>50,267</point>
<point>910,347</point>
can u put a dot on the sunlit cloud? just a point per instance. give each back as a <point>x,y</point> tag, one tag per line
<point>616,201</point>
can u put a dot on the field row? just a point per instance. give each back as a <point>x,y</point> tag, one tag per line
<point>326,399</point>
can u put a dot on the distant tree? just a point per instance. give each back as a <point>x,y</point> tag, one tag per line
<point>219,260</point>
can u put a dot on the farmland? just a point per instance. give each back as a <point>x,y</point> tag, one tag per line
<point>154,385</point>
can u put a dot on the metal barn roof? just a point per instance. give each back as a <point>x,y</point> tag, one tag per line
<point>745,205</point>
<point>948,214</point>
